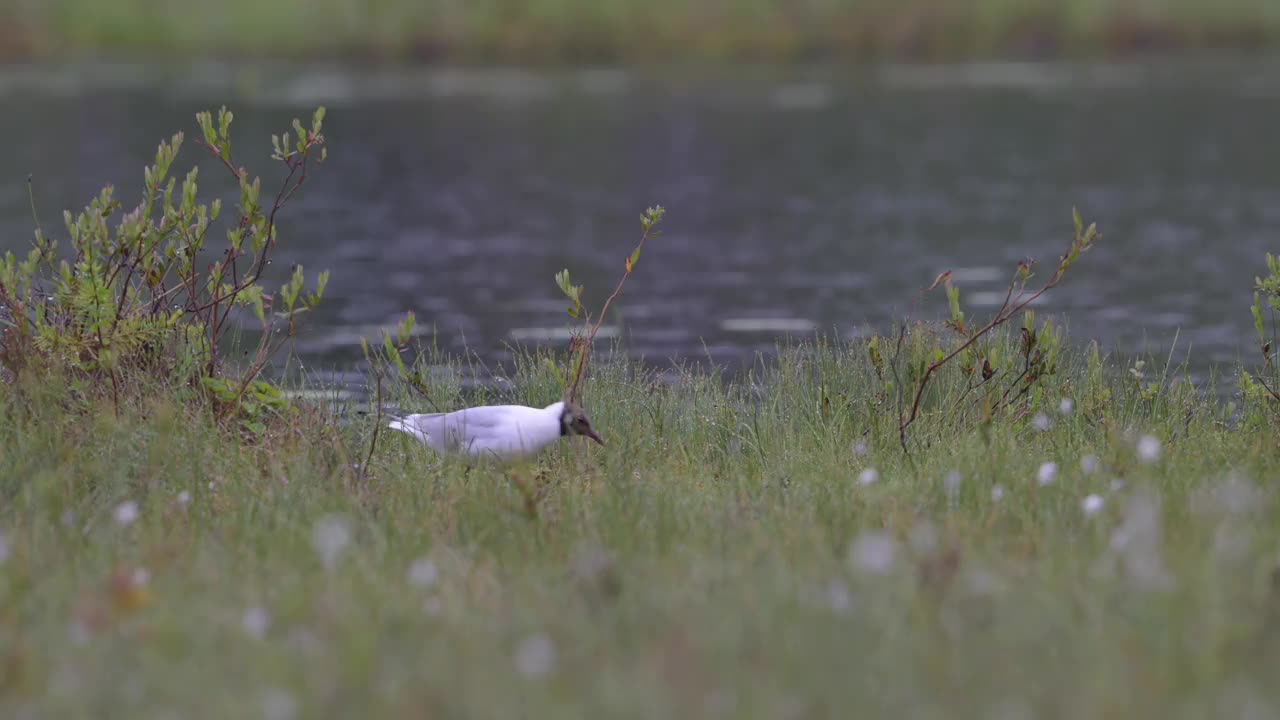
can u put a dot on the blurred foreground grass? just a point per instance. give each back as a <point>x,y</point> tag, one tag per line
<point>601,30</point>
<point>738,550</point>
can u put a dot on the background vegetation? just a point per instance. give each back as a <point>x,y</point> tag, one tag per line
<point>658,30</point>
<point>975,518</point>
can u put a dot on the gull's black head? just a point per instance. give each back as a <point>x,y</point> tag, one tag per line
<point>573,421</point>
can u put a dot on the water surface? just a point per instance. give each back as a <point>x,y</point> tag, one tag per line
<point>817,198</point>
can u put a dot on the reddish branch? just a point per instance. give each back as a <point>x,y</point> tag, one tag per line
<point>584,343</point>
<point>1011,306</point>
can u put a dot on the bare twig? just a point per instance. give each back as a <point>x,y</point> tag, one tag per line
<point>377,426</point>
<point>582,343</point>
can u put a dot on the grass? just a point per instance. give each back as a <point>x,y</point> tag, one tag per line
<point>720,558</point>
<point>581,30</point>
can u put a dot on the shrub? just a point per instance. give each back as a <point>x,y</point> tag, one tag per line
<point>135,294</point>
<point>990,381</point>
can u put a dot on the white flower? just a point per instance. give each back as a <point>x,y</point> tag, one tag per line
<point>1089,464</point>
<point>1048,473</point>
<point>860,448</point>
<point>423,573</point>
<point>1092,505</point>
<point>433,606</point>
<point>4,549</point>
<point>184,497</point>
<point>78,633</point>
<point>951,484</point>
<point>1148,449</point>
<point>302,640</point>
<point>278,704</point>
<point>255,622</point>
<point>923,538</point>
<point>592,562</point>
<point>141,576</point>
<point>1040,422</point>
<point>1138,543</point>
<point>330,538</point>
<point>1231,542</point>
<point>1066,406</point>
<point>997,493</point>
<point>869,477</point>
<point>536,656</point>
<point>720,703</point>
<point>126,513</point>
<point>874,553</point>
<point>839,599</point>
<point>1237,496</point>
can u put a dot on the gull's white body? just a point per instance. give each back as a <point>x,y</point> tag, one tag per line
<point>496,431</point>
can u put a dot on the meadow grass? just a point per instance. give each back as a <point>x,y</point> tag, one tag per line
<point>631,29</point>
<point>741,548</point>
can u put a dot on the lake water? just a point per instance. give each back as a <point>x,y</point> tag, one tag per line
<point>799,199</point>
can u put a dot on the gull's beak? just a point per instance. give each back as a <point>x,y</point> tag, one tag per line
<point>592,434</point>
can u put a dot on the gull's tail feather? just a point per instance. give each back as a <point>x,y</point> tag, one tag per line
<point>395,418</point>
<point>387,411</point>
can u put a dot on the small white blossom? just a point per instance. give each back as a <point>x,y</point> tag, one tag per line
<point>433,606</point>
<point>1092,505</point>
<point>997,493</point>
<point>278,704</point>
<point>1048,473</point>
<point>980,581</point>
<point>592,562</point>
<point>256,622</point>
<point>720,703</point>
<point>184,497</point>
<point>1040,422</point>
<point>1089,464</point>
<point>860,448</point>
<point>536,656</point>
<point>1066,406</point>
<point>1011,709</point>
<point>330,538</point>
<point>951,484</point>
<point>923,538</point>
<point>1237,496</point>
<point>869,477</point>
<point>839,599</point>
<point>874,553</point>
<point>1138,545</point>
<point>126,512</point>
<point>1231,543</point>
<point>302,640</point>
<point>1148,449</point>
<point>78,633</point>
<point>141,576</point>
<point>423,573</point>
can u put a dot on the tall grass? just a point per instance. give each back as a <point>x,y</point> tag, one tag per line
<point>758,547</point>
<point>632,29</point>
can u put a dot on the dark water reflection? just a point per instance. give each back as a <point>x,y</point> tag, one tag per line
<point>804,199</point>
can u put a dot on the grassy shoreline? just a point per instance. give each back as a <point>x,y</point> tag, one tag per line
<point>738,550</point>
<point>623,30</point>
<point>1057,533</point>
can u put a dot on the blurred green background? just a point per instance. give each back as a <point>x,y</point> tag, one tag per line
<point>625,30</point>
